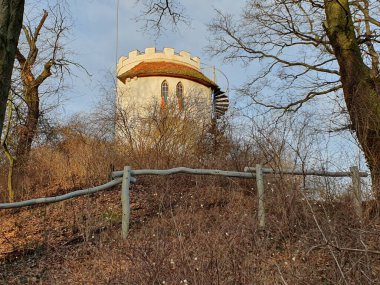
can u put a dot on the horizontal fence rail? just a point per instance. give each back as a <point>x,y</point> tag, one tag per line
<point>186,170</point>
<point>302,173</point>
<point>47,200</point>
<point>125,178</point>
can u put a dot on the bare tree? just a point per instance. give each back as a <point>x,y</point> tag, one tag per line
<point>11,14</point>
<point>157,15</point>
<point>310,49</point>
<point>42,54</point>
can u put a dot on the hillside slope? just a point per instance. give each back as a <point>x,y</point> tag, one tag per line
<point>190,230</point>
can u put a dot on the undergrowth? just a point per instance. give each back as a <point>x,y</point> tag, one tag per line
<point>184,229</point>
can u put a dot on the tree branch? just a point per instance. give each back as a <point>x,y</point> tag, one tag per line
<point>20,57</point>
<point>296,105</point>
<point>157,13</point>
<point>39,26</point>
<point>259,54</point>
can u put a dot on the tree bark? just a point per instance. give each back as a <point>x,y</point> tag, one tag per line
<point>360,86</point>
<point>29,130</point>
<point>30,86</point>
<point>11,15</point>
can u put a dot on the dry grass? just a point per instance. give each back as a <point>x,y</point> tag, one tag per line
<point>184,229</point>
<point>188,228</point>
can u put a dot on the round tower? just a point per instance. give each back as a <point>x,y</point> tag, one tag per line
<point>163,77</point>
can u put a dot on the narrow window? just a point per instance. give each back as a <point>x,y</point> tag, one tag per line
<point>179,94</point>
<point>164,93</point>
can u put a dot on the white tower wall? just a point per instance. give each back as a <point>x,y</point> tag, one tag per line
<point>138,93</point>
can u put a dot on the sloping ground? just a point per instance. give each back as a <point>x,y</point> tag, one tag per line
<point>189,230</point>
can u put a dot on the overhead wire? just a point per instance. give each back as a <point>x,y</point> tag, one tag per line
<point>117,32</point>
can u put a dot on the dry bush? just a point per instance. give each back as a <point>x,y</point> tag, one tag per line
<point>76,159</point>
<point>184,228</point>
<point>157,137</point>
<point>81,153</point>
<point>168,137</point>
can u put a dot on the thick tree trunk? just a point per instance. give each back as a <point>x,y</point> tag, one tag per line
<point>31,83</point>
<point>360,87</point>
<point>29,130</point>
<point>11,14</point>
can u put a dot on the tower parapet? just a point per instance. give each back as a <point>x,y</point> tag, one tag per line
<point>168,54</point>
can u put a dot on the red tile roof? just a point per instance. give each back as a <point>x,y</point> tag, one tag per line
<point>170,69</point>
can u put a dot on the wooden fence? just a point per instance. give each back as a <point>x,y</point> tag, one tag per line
<point>354,173</point>
<point>127,176</point>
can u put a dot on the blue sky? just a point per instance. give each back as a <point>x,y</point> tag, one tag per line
<point>94,42</point>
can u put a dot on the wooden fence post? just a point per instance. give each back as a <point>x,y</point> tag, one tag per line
<point>356,191</point>
<point>260,195</point>
<point>125,201</point>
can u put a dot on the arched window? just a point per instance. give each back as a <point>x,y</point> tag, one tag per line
<point>164,93</point>
<point>179,94</point>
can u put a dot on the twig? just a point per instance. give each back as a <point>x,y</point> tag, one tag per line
<point>281,276</point>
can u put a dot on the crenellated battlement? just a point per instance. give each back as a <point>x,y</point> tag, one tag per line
<point>150,54</point>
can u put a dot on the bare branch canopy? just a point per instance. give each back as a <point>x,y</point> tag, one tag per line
<point>309,49</point>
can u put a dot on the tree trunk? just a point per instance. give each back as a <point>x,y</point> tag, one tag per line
<point>31,83</point>
<point>360,86</point>
<point>26,136</point>
<point>29,130</point>
<point>11,14</point>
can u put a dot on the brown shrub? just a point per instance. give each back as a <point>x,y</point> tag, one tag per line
<point>189,229</point>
